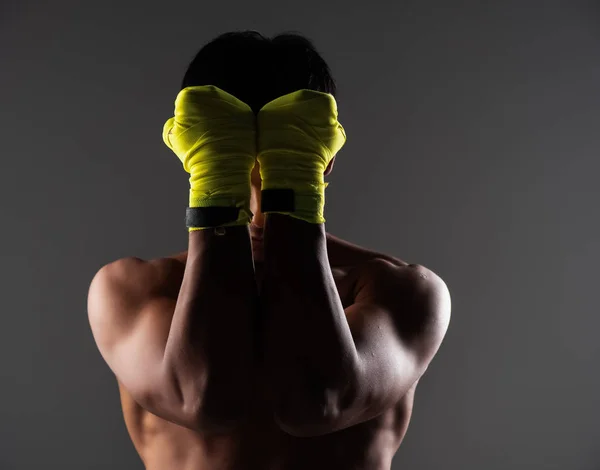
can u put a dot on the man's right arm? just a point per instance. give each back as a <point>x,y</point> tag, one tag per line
<point>188,360</point>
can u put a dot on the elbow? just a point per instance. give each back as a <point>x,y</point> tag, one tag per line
<point>206,401</point>
<point>302,428</point>
<point>305,406</point>
<point>212,422</point>
<point>223,403</point>
<point>218,412</point>
<point>208,412</point>
<point>310,425</point>
<point>301,418</point>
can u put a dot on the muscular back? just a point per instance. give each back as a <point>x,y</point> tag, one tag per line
<point>258,442</point>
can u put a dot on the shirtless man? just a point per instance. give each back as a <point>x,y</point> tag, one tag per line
<point>271,345</point>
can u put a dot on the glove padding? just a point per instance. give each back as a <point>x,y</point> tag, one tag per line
<point>214,135</point>
<point>298,135</point>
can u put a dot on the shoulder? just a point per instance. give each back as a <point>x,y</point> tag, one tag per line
<point>126,272</point>
<point>381,272</point>
<point>123,293</point>
<point>132,270</point>
<point>131,281</point>
<point>416,298</point>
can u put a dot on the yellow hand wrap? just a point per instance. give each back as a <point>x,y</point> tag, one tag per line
<point>214,135</point>
<point>298,135</point>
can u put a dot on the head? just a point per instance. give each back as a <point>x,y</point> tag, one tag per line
<point>256,70</point>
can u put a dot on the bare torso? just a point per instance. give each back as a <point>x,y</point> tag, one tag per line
<point>259,443</point>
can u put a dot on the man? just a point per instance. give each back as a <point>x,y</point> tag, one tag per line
<point>269,343</point>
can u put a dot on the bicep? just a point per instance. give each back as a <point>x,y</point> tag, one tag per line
<point>130,329</point>
<point>398,324</point>
<point>388,366</point>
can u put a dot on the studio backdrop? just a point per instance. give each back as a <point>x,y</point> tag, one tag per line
<point>473,143</point>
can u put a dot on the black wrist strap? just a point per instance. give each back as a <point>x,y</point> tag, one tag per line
<point>210,216</point>
<point>277,200</point>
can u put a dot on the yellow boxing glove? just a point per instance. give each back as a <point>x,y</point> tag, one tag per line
<point>214,135</point>
<point>298,135</point>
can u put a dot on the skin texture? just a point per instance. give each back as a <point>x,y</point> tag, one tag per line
<point>270,377</point>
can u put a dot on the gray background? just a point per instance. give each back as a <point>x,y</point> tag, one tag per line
<point>472,149</point>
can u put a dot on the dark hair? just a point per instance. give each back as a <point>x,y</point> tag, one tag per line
<point>257,69</point>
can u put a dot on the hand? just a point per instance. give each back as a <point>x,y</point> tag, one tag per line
<point>298,136</point>
<point>214,135</point>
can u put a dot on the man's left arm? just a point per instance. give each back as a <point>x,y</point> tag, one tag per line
<point>332,368</point>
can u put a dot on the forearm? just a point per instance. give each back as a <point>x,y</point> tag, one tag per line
<point>310,350</point>
<point>210,348</point>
